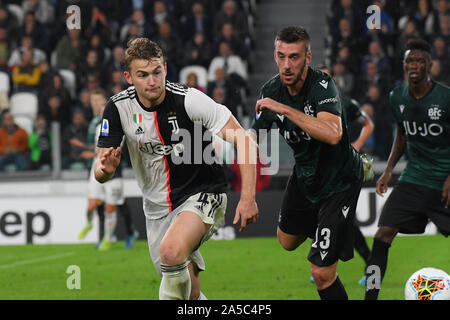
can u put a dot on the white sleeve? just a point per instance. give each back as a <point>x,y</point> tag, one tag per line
<point>202,108</point>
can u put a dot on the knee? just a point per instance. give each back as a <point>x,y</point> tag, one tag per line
<point>386,234</point>
<point>170,254</point>
<point>289,242</point>
<point>323,276</point>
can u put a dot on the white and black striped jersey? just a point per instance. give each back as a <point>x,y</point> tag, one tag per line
<point>152,144</point>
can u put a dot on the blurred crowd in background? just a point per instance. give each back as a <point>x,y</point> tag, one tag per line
<point>47,72</point>
<point>367,63</point>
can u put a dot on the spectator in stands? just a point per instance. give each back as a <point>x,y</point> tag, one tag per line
<point>160,14</point>
<point>6,47</point>
<point>198,51</point>
<point>232,64</point>
<point>230,90</point>
<point>117,83</point>
<point>42,10</point>
<point>229,13</point>
<point>53,110</point>
<point>437,74</point>
<point>13,143</point>
<point>26,43</point>
<point>343,78</point>
<point>372,76</point>
<point>99,24</point>
<point>72,150</point>
<point>55,87</point>
<point>445,29</point>
<point>8,21</point>
<point>192,81</point>
<point>351,11</point>
<point>197,21</point>
<point>27,75</point>
<point>441,52</point>
<point>96,43</point>
<point>138,20</point>
<point>84,103</point>
<point>117,61</point>
<point>90,65</point>
<point>40,144</point>
<point>133,33</point>
<point>376,54</point>
<point>236,43</point>
<point>35,30</point>
<point>345,36</point>
<point>442,12</point>
<point>69,50</point>
<point>383,120</point>
<point>171,45</point>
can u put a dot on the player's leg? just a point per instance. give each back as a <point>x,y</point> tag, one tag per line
<point>180,240</point>
<point>109,225</point>
<point>402,212</point>
<point>362,248</point>
<point>131,233</point>
<point>297,218</point>
<point>333,241</point>
<point>327,281</point>
<point>92,206</point>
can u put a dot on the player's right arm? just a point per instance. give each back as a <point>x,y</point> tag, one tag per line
<point>109,150</point>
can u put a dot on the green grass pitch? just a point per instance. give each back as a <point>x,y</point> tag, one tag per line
<point>250,268</point>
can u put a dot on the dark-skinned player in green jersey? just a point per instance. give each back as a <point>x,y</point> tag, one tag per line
<point>323,190</point>
<point>421,108</point>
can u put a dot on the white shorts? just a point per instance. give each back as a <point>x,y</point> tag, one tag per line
<point>110,192</point>
<point>210,207</point>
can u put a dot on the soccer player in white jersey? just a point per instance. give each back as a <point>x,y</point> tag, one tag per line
<point>184,202</point>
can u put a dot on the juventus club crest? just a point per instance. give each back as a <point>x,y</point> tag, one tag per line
<point>173,121</point>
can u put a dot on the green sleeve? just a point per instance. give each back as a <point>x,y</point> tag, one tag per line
<point>325,96</point>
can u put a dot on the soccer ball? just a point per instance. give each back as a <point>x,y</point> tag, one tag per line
<point>428,284</point>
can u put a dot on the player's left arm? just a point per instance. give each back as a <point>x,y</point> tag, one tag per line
<point>366,131</point>
<point>326,127</point>
<point>446,193</point>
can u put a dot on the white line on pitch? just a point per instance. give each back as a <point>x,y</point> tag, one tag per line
<point>20,263</point>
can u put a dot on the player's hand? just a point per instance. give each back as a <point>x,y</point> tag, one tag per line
<point>109,160</point>
<point>271,105</point>
<point>247,210</point>
<point>446,193</point>
<point>382,183</point>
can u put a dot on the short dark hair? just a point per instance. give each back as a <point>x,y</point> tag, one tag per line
<point>294,34</point>
<point>418,44</point>
<point>141,48</point>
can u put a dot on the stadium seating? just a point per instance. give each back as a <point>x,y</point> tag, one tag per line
<point>201,72</point>
<point>25,122</point>
<point>4,82</point>
<point>25,104</point>
<point>70,81</point>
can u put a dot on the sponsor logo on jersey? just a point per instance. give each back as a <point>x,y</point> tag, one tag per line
<point>161,149</point>
<point>324,83</point>
<point>345,211</point>
<point>401,107</point>
<point>424,129</point>
<point>139,130</point>
<point>280,116</point>
<point>105,128</point>
<point>328,100</point>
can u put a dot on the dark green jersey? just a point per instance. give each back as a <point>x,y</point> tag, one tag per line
<point>322,169</point>
<point>352,110</point>
<point>426,122</point>
<point>92,129</point>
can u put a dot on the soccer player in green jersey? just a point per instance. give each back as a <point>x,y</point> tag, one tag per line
<point>323,190</point>
<point>421,108</point>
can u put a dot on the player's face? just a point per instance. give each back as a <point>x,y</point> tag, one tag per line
<point>416,65</point>
<point>149,78</point>
<point>291,59</point>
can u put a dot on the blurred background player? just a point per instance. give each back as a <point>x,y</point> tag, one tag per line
<point>421,108</point>
<point>353,113</point>
<point>110,195</point>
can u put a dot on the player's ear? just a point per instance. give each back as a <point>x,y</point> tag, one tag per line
<point>308,57</point>
<point>127,76</point>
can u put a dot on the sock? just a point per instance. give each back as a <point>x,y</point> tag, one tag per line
<point>202,296</point>
<point>90,216</point>
<point>334,292</point>
<point>360,244</point>
<point>175,283</point>
<point>376,265</point>
<point>125,213</point>
<point>101,220</point>
<point>110,224</point>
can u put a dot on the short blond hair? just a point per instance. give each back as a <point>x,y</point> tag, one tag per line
<point>141,48</point>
